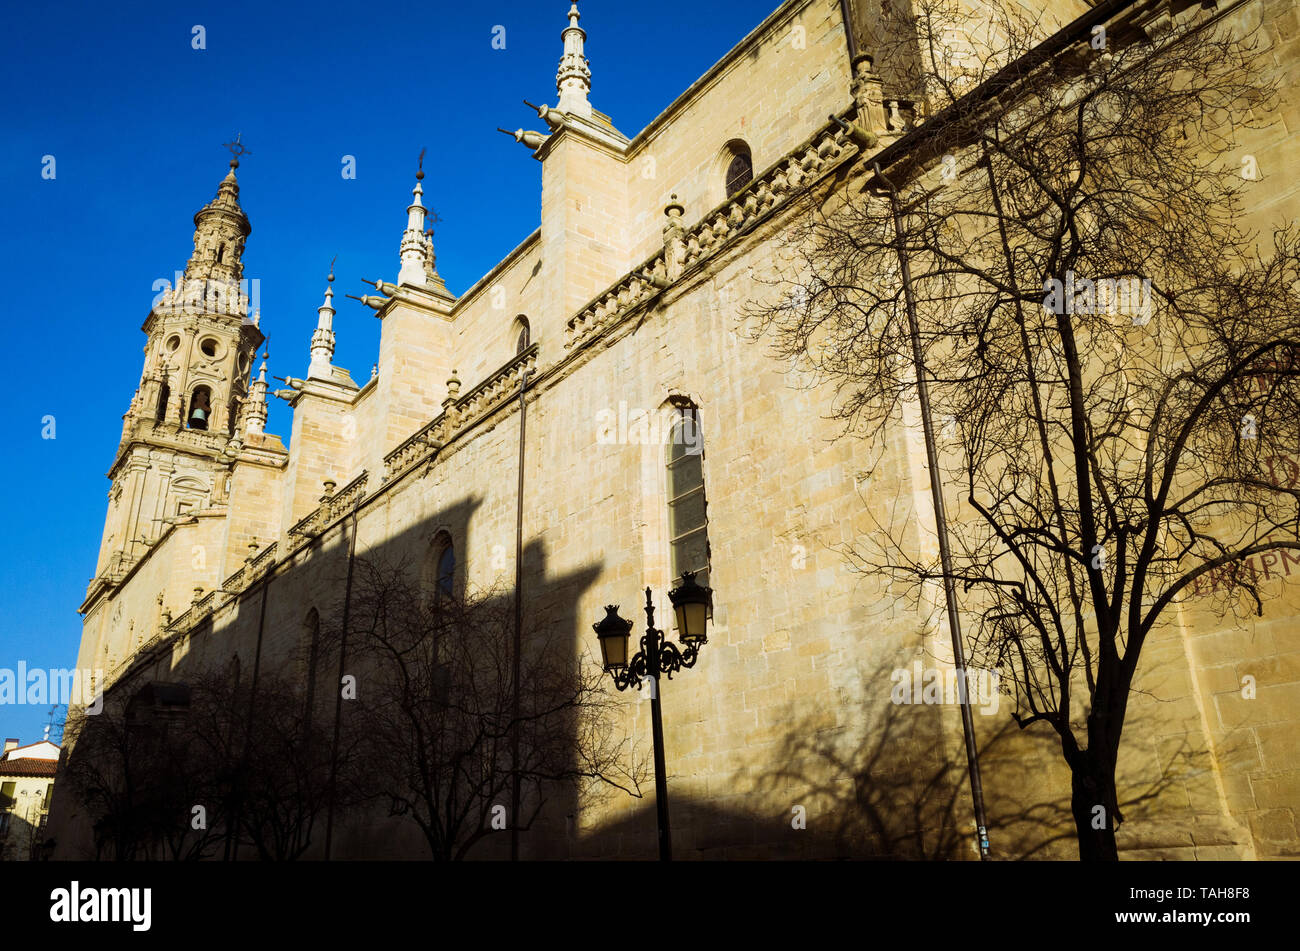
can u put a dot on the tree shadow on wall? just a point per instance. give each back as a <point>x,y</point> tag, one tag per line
<point>887,782</point>
<point>895,785</point>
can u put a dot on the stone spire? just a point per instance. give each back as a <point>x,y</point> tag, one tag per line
<point>322,341</point>
<point>414,248</point>
<point>213,279</point>
<point>255,419</point>
<point>220,228</point>
<point>573,80</point>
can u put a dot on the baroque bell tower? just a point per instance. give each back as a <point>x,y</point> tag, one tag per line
<point>184,426</point>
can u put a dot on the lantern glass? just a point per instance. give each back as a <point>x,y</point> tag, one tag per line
<point>691,605</point>
<point>613,650</point>
<point>691,621</point>
<point>613,632</point>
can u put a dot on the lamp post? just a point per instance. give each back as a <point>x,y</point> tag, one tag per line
<point>657,656</point>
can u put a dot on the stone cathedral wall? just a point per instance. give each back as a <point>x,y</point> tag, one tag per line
<point>788,706</point>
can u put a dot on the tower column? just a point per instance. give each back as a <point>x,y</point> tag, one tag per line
<point>137,473</point>
<point>187,343</point>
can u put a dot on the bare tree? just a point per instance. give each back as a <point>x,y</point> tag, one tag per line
<point>1109,352</point>
<point>178,769</point>
<point>136,772</point>
<point>435,710</point>
<point>270,758</point>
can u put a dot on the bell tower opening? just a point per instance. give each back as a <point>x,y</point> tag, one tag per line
<point>200,408</point>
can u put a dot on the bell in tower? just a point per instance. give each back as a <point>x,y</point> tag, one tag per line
<point>200,408</point>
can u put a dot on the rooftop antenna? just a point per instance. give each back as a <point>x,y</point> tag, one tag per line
<point>50,725</point>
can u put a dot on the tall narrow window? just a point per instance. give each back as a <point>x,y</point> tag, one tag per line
<point>688,536</point>
<point>440,569</point>
<point>164,397</point>
<point>521,334</point>
<point>446,571</point>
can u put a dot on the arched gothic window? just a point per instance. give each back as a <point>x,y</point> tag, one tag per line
<point>522,334</point>
<point>688,537</point>
<point>740,168</point>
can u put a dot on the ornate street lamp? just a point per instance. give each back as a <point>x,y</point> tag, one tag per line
<point>657,656</point>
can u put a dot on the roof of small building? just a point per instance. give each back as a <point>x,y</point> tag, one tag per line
<point>42,749</point>
<point>28,767</point>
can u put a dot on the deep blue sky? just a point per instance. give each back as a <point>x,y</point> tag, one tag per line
<point>135,119</point>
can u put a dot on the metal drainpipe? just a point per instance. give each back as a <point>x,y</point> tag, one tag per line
<point>941,524</point>
<point>338,696</point>
<point>519,609</point>
<point>846,13</point>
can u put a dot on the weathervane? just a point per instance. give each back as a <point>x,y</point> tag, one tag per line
<point>433,217</point>
<point>237,148</point>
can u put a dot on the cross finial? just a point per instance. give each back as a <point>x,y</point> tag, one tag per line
<point>237,148</point>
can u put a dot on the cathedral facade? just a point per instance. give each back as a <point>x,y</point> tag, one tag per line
<point>522,433</point>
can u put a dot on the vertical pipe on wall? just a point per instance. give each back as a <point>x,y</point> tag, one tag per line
<point>338,687</point>
<point>519,609</point>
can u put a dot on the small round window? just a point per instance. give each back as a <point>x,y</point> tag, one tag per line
<point>173,343</point>
<point>209,346</point>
